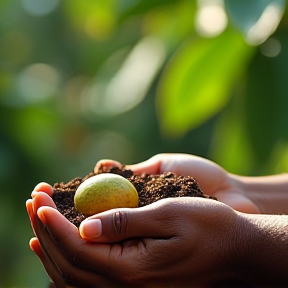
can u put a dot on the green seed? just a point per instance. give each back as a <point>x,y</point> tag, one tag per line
<point>103,192</point>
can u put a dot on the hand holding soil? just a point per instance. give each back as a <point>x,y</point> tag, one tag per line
<point>162,176</point>
<point>173,241</point>
<point>158,236</point>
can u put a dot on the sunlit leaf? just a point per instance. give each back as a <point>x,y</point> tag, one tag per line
<point>197,82</point>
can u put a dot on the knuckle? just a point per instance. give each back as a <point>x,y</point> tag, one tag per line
<point>169,205</point>
<point>121,223</point>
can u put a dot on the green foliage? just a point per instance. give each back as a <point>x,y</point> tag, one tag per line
<point>86,80</point>
<point>197,83</point>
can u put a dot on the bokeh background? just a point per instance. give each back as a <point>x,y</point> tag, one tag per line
<point>85,80</point>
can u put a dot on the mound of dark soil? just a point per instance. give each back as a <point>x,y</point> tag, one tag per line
<point>150,188</point>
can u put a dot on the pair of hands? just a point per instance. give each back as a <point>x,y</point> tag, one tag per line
<point>173,241</point>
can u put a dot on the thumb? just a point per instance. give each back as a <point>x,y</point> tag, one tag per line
<point>119,224</point>
<point>150,166</point>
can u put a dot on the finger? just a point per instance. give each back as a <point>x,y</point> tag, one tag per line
<point>71,261</point>
<point>42,199</point>
<point>150,166</point>
<point>156,220</point>
<point>164,162</point>
<point>121,260</point>
<point>77,250</point>
<point>50,268</point>
<point>178,163</point>
<point>107,163</point>
<point>29,207</point>
<point>43,187</point>
<point>49,265</point>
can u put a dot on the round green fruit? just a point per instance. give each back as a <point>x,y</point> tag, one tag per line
<point>103,192</point>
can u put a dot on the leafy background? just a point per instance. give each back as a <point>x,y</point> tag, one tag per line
<point>86,80</point>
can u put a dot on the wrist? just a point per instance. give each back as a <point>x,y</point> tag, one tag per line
<point>261,249</point>
<point>268,193</point>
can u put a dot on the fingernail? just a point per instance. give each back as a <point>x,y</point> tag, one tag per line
<point>91,228</point>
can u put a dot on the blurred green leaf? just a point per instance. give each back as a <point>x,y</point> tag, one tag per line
<point>132,8</point>
<point>36,131</point>
<point>197,81</point>
<point>94,19</point>
<point>267,102</point>
<point>172,23</point>
<point>245,13</point>
<point>230,147</point>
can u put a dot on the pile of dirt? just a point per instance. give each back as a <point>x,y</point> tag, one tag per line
<point>150,188</point>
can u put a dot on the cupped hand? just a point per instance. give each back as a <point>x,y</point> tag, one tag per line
<point>182,241</point>
<point>62,265</point>
<point>212,178</point>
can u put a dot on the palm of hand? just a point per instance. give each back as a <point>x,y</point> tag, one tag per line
<point>77,262</point>
<point>212,178</point>
<point>216,181</point>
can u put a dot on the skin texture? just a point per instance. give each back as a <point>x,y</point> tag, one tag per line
<point>163,243</point>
